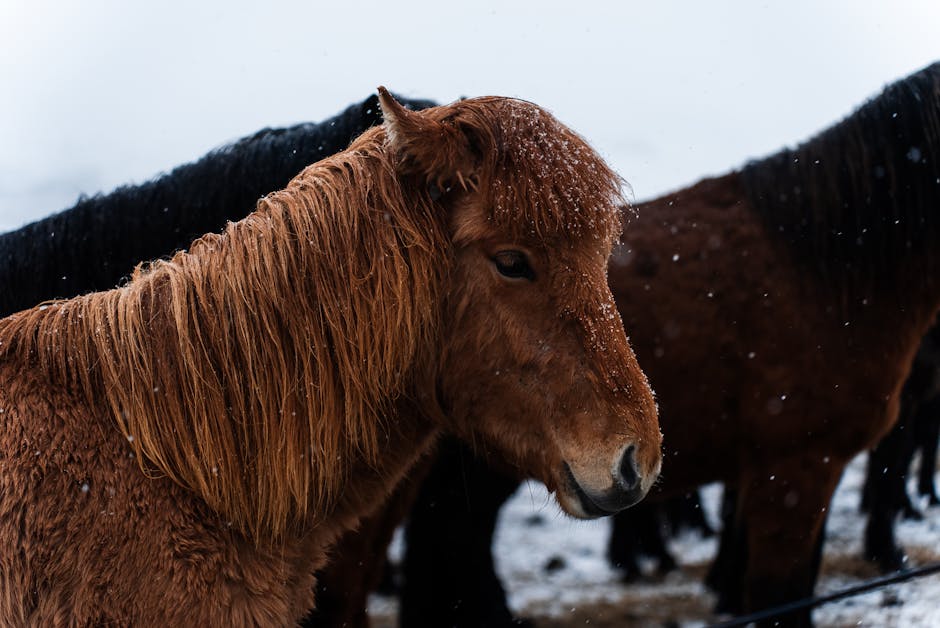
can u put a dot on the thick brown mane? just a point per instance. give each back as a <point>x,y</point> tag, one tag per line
<point>252,367</point>
<point>221,362</point>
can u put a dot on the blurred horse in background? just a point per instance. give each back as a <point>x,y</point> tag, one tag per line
<point>814,275</point>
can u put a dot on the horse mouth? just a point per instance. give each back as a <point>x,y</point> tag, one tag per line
<point>588,505</point>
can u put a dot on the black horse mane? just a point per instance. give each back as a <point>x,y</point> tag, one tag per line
<point>863,197</point>
<point>96,243</point>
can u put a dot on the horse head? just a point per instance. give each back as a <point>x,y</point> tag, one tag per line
<point>535,364</point>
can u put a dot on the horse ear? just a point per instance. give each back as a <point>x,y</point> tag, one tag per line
<point>440,153</point>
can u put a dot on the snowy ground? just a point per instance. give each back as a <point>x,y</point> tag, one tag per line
<point>585,591</point>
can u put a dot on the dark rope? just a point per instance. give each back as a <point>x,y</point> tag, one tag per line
<point>812,602</point>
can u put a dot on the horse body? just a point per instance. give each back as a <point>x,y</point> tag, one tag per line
<point>242,404</point>
<point>765,334</point>
<point>794,386</point>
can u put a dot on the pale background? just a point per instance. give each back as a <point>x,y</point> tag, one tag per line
<point>96,93</point>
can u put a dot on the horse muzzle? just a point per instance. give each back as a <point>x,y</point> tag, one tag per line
<point>628,488</point>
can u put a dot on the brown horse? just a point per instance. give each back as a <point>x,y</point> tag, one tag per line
<point>184,449</point>
<point>783,305</point>
<point>781,309</point>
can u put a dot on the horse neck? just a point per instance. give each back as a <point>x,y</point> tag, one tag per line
<point>258,368</point>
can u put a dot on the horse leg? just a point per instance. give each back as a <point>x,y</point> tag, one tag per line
<point>638,532</point>
<point>652,538</point>
<point>726,575</point>
<point>888,463</point>
<point>927,430</point>
<point>871,476</point>
<point>688,513</point>
<point>449,576</point>
<point>783,508</point>
<point>623,551</point>
<point>625,545</point>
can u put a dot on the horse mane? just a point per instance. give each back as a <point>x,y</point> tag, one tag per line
<point>247,367</point>
<point>97,242</point>
<point>859,199</point>
<point>255,368</point>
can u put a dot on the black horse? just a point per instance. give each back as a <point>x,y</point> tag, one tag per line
<point>96,243</point>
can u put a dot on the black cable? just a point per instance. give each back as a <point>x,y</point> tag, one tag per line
<point>812,602</point>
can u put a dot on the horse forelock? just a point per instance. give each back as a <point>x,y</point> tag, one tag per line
<point>255,367</point>
<point>539,180</point>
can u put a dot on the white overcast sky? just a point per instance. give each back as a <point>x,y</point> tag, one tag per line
<point>95,93</point>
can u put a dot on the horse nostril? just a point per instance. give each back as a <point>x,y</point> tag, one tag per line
<point>629,476</point>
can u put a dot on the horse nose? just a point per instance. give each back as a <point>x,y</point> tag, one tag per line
<point>629,475</point>
<point>629,486</point>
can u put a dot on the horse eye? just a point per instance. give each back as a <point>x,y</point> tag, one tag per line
<point>513,264</point>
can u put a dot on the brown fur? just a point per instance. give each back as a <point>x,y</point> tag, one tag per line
<point>185,448</point>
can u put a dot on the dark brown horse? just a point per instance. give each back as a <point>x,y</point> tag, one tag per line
<point>781,309</point>
<point>184,449</point>
<point>813,277</point>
